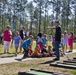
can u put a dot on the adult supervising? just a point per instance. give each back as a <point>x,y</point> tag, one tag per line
<point>57,38</point>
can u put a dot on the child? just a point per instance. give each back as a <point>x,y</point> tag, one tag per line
<point>30,51</point>
<point>25,45</point>
<point>44,52</point>
<point>44,39</point>
<point>49,49</point>
<point>17,40</point>
<point>70,41</point>
<point>53,39</point>
<point>37,52</point>
<point>39,40</point>
<point>65,39</point>
<point>62,44</point>
<point>51,52</point>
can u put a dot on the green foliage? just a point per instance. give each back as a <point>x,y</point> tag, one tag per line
<point>20,12</point>
<point>73,72</point>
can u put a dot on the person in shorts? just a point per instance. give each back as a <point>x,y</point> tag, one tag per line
<point>17,40</point>
<point>7,36</point>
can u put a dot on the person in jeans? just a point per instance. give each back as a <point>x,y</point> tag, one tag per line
<point>57,39</point>
<point>26,43</point>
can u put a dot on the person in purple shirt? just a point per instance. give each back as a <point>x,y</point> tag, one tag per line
<point>17,40</point>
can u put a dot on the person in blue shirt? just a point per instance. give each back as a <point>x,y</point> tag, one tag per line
<point>17,40</point>
<point>44,39</point>
<point>25,46</point>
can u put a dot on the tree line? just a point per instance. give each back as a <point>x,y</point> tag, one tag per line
<point>37,15</point>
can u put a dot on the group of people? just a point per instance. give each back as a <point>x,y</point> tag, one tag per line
<point>40,49</point>
<point>67,40</point>
<point>19,40</point>
<point>8,38</point>
<point>59,40</point>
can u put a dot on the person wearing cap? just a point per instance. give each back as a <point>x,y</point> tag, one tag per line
<point>7,36</point>
<point>57,39</point>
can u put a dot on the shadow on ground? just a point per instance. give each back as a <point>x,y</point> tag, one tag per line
<point>48,62</point>
<point>8,56</point>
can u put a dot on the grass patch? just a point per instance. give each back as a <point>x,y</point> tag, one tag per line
<point>12,49</point>
<point>22,66</point>
<point>14,74</point>
<point>73,72</point>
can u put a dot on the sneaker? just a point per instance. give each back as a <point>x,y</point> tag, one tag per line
<point>8,53</point>
<point>16,54</point>
<point>64,53</point>
<point>4,52</point>
<point>69,51</point>
<point>56,59</point>
<point>23,57</point>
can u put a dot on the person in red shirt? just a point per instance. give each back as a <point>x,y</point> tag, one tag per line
<point>7,36</point>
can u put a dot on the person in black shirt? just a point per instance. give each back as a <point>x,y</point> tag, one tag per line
<point>22,35</point>
<point>57,39</point>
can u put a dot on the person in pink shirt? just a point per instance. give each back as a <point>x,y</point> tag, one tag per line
<point>70,41</point>
<point>7,36</point>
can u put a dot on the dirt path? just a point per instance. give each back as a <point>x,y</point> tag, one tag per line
<point>16,59</point>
